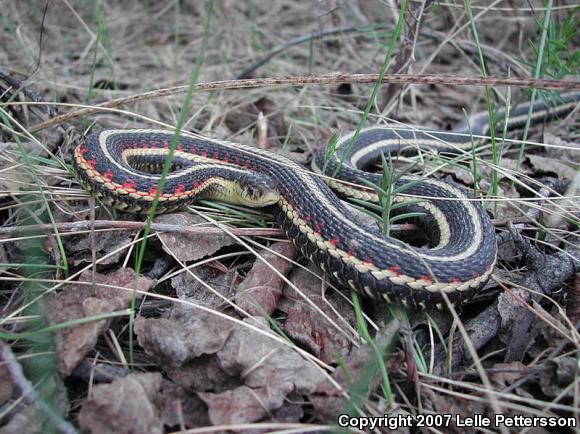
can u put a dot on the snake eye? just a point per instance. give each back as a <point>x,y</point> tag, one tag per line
<point>258,190</point>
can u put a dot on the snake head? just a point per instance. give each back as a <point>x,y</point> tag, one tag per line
<point>249,189</point>
<point>257,190</point>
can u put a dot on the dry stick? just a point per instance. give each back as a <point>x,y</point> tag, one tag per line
<point>86,225</point>
<point>318,79</point>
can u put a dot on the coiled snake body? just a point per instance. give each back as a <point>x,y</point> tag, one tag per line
<point>123,167</point>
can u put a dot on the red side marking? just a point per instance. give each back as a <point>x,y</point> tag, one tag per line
<point>203,154</point>
<point>226,160</point>
<point>318,226</point>
<point>237,161</point>
<point>153,190</point>
<point>108,175</point>
<point>427,278</point>
<point>474,275</point>
<point>368,263</point>
<point>395,269</point>
<point>83,149</point>
<point>165,145</point>
<point>144,145</point>
<point>334,242</point>
<point>307,219</point>
<point>90,164</point>
<point>129,185</point>
<point>316,234</point>
<point>179,190</point>
<point>455,280</point>
<point>215,155</point>
<point>179,147</point>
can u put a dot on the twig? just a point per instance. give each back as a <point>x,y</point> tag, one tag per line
<point>87,225</point>
<point>30,394</point>
<point>318,79</point>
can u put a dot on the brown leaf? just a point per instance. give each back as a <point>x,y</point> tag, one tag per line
<point>78,301</point>
<point>188,287</point>
<point>124,406</point>
<point>549,165</point>
<point>560,373</point>
<point>264,362</point>
<point>180,407</point>
<point>27,420</point>
<point>441,403</point>
<point>79,247</point>
<point>7,386</point>
<point>244,404</point>
<point>186,334</point>
<point>306,326</point>
<point>190,247</point>
<point>203,374</point>
<point>506,374</point>
<point>327,399</point>
<point>262,285</point>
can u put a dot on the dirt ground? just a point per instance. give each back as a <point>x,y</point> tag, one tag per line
<point>210,320</point>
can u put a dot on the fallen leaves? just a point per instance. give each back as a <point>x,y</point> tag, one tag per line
<point>326,335</point>
<point>186,334</point>
<point>186,247</point>
<point>262,287</point>
<point>124,406</point>
<point>78,301</point>
<point>200,349</point>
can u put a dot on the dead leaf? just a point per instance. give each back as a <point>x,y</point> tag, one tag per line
<point>559,374</point>
<point>79,247</point>
<point>442,403</point>
<point>328,400</point>
<point>204,374</point>
<point>28,420</point>
<point>124,406</point>
<point>179,407</point>
<point>304,323</point>
<point>188,287</point>
<point>78,301</point>
<point>548,165</point>
<point>7,386</point>
<point>244,404</point>
<point>12,177</point>
<point>561,148</point>
<point>506,374</point>
<point>190,247</point>
<point>265,362</point>
<point>187,333</point>
<point>262,285</point>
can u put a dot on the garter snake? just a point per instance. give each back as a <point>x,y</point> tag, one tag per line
<point>123,167</point>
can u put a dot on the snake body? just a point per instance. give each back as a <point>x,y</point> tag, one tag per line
<point>123,167</point>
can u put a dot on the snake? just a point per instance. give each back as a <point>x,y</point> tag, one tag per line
<point>123,168</point>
